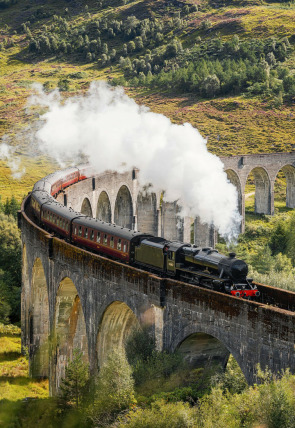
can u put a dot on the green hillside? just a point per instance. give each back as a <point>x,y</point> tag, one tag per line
<point>227,67</point>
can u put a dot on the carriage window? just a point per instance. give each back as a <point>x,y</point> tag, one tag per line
<point>75,230</point>
<point>170,255</point>
<point>92,235</point>
<point>80,230</point>
<point>119,245</point>
<point>112,242</point>
<point>125,247</point>
<point>57,221</point>
<point>98,237</point>
<point>86,233</point>
<point>105,240</point>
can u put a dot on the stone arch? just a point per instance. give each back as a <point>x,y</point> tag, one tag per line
<point>289,172</point>
<point>38,322</point>
<point>69,328</point>
<point>86,207</point>
<point>147,219</point>
<point>262,191</point>
<point>104,211</point>
<point>123,215</point>
<point>205,348</point>
<point>118,322</point>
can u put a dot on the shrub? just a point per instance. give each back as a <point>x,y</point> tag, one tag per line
<point>161,415</point>
<point>114,390</point>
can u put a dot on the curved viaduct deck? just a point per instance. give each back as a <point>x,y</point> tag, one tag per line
<point>73,298</point>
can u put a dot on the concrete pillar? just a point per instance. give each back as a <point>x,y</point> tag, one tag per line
<point>172,223</point>
<point>159,222</point>
<point>158,326</point>
<point>289,172</point>
<point>187,222</point>
<point>272,198</point>
<point>263,201</point>
<point>204,235</point>
<point>242,212</point>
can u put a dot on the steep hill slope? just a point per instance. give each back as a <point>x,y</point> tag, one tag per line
<point>227,67</point>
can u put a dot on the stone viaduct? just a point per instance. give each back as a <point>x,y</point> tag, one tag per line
<point>118,198</point>
<point>72,298</point>
<point>264,168</point>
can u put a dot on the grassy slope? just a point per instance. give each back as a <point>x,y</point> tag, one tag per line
<point>233,124</point>
<point>15,384</point>
<point>14,381</point>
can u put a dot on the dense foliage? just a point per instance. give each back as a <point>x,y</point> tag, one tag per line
<point>10,262</point>
<point>149,52</point>
<point>7,3</point>
<point>212,68</point>
<point>114,402</point>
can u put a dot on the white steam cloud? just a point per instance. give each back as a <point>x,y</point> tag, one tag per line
<point>7,153</point>
<point>115,133</point>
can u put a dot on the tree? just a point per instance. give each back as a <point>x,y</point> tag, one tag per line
<point>74,385</point>
<point>131,46</point>
<point>114,389</point>
<point>211,85</point>
<point>138,43</point>
<point>105,48</point>
<point>10,249</point>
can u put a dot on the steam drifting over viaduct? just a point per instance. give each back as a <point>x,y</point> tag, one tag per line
<point>72,298</point>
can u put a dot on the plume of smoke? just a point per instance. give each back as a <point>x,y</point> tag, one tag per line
<point>7,153</point>
<point>115,133</point>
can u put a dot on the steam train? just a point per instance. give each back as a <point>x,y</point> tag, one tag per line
<point>204,267</point>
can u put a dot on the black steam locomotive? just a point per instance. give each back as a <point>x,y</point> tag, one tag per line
<point>204,267</point>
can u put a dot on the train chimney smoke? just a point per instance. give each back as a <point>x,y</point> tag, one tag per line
<point>115,133</point>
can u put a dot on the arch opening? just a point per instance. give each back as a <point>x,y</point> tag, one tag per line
<point>69,328</point>
<point>123,215</point>
<point>258,192</point>
<point>38,323</point>
<point>147,219</point>
<point>103,211</point>
<point>86,208</point>
<point>284,188</point>
<point>117,324</point>
<point>204,351</point>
